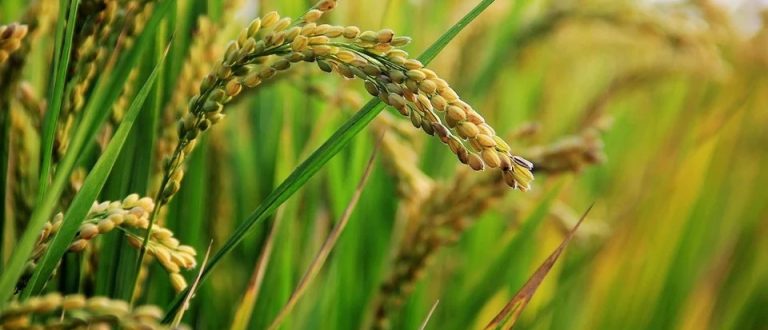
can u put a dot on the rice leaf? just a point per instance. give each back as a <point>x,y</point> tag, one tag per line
<point>511,311</point>
<point>325,250</point>
<point>61,56</point>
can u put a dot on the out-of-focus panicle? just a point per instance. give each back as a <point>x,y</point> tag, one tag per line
<point>123,102</point>
<point>131,215</point>
<point>31,102</point>
<point>400,157</point>
<point>203,53</point>
<point>90,50</point>
<point>37,20</point>
<point>10,39</point>
<point>437,220</point>
<point>439,215</point>
<point>755,49</point>
<point>569,154</point>
<point>54,311</point>
<point>110,27</point>
<point>23,150</point>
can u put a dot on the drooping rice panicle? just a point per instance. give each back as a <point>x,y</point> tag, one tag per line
<point>371,56</point>
<point>131,216</point>
<point>54,311</point>
<point>11,36</point>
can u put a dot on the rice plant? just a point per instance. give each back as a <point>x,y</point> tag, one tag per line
<point>383,164</point>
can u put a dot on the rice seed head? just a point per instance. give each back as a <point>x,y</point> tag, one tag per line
<point>324,6</point>
<point>11,36</point>
<point>178,282</point>
<point>130,215</point>
<point>371,56</point>
<point>569,154</point>
<point>56,311</point>
<point>270,19</point>
<point>351,32</point>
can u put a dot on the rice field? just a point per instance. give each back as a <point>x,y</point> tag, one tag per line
<point>392,164</point>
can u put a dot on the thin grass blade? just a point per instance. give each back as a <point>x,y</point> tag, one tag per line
<point>429,315</point>
<point>65,30</point>
<point>322,255</point>
<point>245,308</point>
<point>193,289</point>
<point>511,311</point>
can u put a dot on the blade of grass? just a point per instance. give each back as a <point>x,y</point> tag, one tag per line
<point>284,162</point>
<point>89,191</point>
<point>511,311</point>
<point>322,155</point>
<point>62,52</point>
<point>330,242</point>
<point>245,308</point>
<point>107,90</point>
<point>486,281</point>
<point>429,315</point>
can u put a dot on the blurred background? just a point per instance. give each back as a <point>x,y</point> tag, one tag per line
<point>655,111</point>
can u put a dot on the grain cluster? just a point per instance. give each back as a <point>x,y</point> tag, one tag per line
<point>11,36</point>
<point>131,216</point>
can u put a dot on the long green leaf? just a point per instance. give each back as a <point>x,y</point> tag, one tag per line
<point>322,155</point>
<point>90,190</point>
<point>62,52</point>
<point>107,90</point>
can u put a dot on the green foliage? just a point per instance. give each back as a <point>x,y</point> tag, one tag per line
<point>652,115</point>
